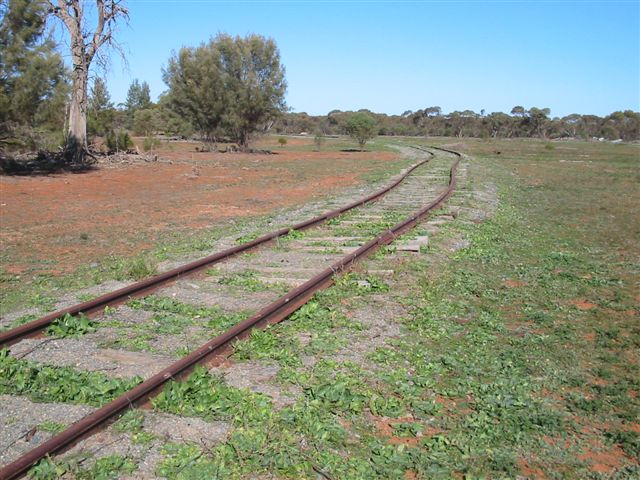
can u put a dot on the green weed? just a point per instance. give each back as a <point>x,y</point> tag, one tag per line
<point>71,326</point>
<point>44,383</point>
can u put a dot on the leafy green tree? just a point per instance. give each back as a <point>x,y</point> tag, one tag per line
<point>231,84</point>
<point>196,88</point>
<point>101,113</point>
<point>624,125</point>
<point>32,75</point>
<point>172,123</point>
<point>571,124</point>
<point>147,121</point>
<point>138,98</point>
<point>500,124</point>
<point>432,111</point>
<point>256,83</point>
<point>361,127</point>
<point>518,111</point>
<point>539,121</point>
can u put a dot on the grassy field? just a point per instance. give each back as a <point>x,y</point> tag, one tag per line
<point>518,355</point>
<point>514,354</point>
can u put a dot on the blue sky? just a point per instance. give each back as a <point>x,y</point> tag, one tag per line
<point>570,56</point>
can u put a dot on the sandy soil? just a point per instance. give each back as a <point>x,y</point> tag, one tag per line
<point>52,224</point>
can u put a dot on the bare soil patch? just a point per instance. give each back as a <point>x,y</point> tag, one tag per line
<point>53,224</point>
<point>582,304</point>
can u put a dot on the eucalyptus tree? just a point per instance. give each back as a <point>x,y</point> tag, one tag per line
<point>230,85</point>
<point>361,127</point>
<point>86,45</point>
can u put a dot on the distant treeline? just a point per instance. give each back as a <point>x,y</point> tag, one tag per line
<point>431,121</point>
<point>229,88</point>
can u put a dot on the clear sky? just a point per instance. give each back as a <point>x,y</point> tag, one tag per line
<point>391,56</point>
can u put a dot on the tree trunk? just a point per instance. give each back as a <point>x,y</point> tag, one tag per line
<point>78,112</point>
<point>244,140</point>
<point>76,146</point>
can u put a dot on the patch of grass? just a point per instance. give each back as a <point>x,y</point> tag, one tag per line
<point>18,321</point>
<point>52,427</point>
<point>110,467</point>
<point>247,238</point>
<point>170,318</point>
<point>45,383</point>
<point>247,280</point>
<point>203,395</point>
<point>132,422</point>
<point>628,440</point>
<point>265,440</point>
<point>361,284</point>
<point>71,326</point>
<point>86,297</point>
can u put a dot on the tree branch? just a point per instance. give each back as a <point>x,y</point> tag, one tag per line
<point>98,40</point>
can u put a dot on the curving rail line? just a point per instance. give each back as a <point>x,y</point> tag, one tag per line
<point>148,285</point>
<point>220,345</point>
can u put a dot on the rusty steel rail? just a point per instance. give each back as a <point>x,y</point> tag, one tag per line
<point>150,284</point>
<point>271,314</point>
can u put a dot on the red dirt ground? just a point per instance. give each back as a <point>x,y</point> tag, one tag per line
<point>583,304</point>
<point>53,224</point>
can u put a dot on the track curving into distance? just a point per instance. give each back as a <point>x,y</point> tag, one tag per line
<point>402,203</point>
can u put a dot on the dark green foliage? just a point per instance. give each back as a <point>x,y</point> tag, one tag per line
<point>628,440</point>
<point>231,85</point>
<point>44,383</point>
<point>110,467</point>
<point>101,114</point>
<point>32,76</point>
<point>138,98</point>
<point>118,141</point>
<point>147,121</point>
<point>71,326</point>
<point>535,122</point>
<point>361,127</point>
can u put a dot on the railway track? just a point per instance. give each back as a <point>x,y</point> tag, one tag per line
<point>131,337</point>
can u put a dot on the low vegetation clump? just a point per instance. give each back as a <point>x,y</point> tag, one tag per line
<point>46,383</point>
<point>108,467</point>
<point>71,326</point>
<point>118,141</point>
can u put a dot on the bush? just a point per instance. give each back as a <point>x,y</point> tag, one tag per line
<point>282,141</point>
<point>361,127</point>
<point>318,139</point>
<point>150,143</point>
<point>119,140</point>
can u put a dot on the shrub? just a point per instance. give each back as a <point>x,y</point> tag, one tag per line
<point>118,140</point>
<point>150,143</point>
<point>361,127</point>
<point>318,139</point>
